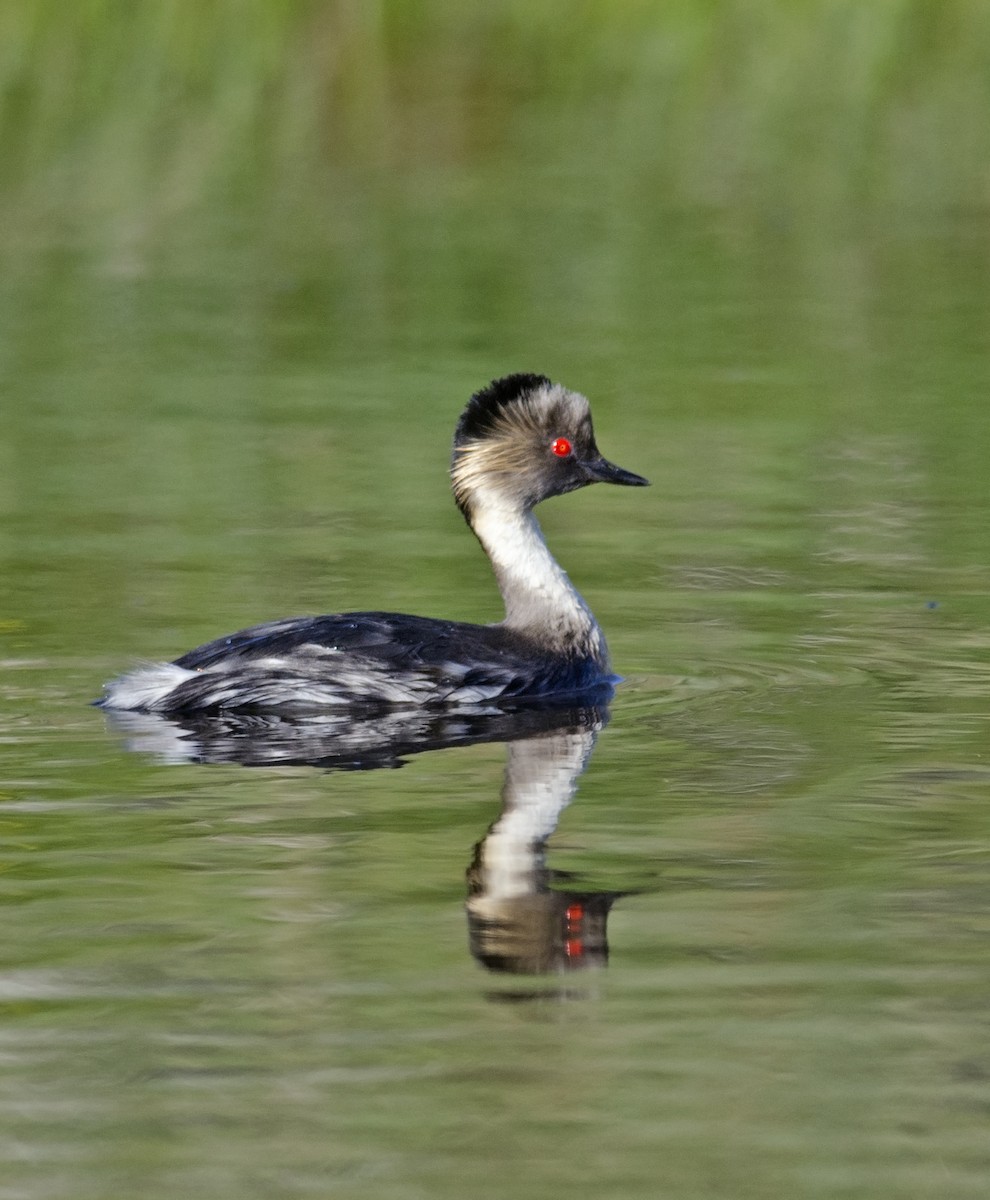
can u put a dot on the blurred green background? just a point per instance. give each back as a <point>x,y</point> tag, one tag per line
<point>254,257</point>
<point>288,230</point>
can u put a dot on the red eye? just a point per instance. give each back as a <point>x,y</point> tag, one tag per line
<point>561,447</point>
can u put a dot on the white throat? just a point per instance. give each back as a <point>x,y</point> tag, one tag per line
<point>539,598</point>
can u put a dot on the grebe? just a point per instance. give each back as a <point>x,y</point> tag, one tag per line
<point>520,440</point>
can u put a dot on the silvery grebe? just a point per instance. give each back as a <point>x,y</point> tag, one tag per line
<point>520,440</point>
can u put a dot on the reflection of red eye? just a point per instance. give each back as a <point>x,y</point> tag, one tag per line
<point>561,447</point>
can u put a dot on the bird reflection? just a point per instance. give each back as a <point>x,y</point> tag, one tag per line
<point>523,917</point>
<point>518,922</point>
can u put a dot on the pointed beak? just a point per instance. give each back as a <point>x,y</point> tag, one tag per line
<point>600,470</point>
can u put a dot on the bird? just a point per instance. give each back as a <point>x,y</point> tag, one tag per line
<point>520,440</point>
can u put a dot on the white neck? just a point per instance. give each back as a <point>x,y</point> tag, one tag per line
<point>539,598</point>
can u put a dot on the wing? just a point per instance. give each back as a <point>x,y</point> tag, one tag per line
<point>360,658</point>
<point>386,635</point>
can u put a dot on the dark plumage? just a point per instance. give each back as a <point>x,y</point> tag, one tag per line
<point>490,403</point>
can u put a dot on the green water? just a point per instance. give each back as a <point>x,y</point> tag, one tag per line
<point>254,260</point>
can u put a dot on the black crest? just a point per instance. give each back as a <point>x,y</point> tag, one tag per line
<point>485,407</point>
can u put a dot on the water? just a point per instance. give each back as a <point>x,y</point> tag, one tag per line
<point>231,360</point>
